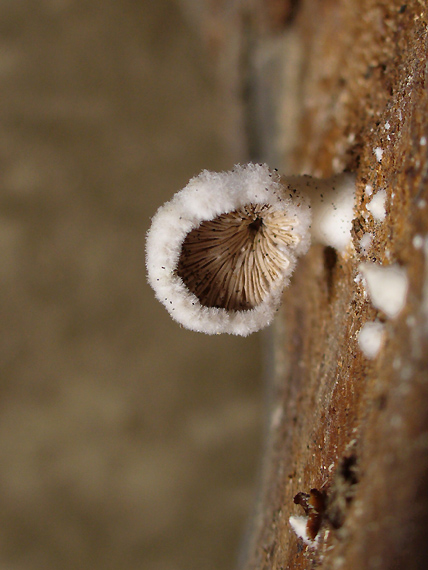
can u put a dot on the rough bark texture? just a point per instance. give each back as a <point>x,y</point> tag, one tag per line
<point>353,428</point>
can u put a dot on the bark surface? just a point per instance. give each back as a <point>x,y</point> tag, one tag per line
<point>354,428</point>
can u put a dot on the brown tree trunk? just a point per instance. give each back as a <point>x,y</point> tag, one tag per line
<point>354,428</point>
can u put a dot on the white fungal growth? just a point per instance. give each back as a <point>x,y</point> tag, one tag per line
<point>378,151</point>
<point>366,242</point>
<point>299,525</point>
<point>370,339</point>
<point>368,189</point>
<point>376,206</point>
<point>418,241</point>
<point>332,203</point>
<point>221,251</point>
<point>387,286</point>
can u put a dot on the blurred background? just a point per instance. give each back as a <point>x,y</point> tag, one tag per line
<point>125,441</point>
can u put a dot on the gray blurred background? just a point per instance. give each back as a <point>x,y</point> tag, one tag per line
<point>126,442</point>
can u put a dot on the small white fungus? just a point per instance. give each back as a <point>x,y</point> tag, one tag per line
<point>370,339</point>
<point>221,251</point>
<point>418,241</point>
<point>332,203</point>
<point>368,190</point>
<point>423,141</point>
<point>365,242</point>
<point>387,287</point>
<point>378,153</point>
<point>298,524</point>
<point>376,206</point>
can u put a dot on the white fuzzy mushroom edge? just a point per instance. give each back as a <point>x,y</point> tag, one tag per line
<point>206,197</point>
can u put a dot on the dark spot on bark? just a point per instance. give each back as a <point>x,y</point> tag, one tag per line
<point>330,261</point>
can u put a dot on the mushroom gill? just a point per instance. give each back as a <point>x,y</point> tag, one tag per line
<point>232,261</point>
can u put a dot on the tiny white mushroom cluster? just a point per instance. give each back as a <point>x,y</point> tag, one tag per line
<point>220,253</point>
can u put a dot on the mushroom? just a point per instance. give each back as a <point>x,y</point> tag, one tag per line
<point>221,251</point>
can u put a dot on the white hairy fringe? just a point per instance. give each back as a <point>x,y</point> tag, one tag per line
<point>205,198</point>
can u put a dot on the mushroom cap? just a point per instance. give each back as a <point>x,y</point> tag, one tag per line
<point>221,251</point>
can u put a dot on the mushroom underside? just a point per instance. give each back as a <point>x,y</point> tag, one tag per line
<point>232,261</point>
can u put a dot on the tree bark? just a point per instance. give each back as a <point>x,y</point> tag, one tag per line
<point>354,428</point>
